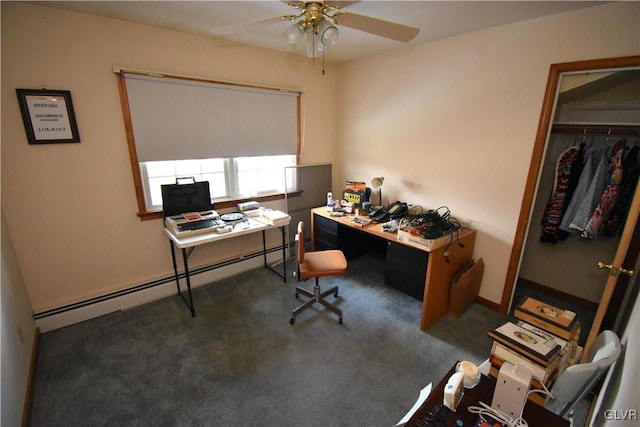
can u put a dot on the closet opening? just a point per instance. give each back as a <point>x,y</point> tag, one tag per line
<point>581,184</point>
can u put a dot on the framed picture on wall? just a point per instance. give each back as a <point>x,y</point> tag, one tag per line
<point>48,116</point>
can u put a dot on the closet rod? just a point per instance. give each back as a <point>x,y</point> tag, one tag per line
<point>617,130</point>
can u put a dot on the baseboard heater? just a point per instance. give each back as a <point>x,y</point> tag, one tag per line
<point>148,285</point>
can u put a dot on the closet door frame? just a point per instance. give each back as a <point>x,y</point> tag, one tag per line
<point>535,168</point>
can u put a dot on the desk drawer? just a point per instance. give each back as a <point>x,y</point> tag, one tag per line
<point>326,233</point>
<point>406,269</point>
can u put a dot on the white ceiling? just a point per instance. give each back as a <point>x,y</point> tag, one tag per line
<point>436,19</point>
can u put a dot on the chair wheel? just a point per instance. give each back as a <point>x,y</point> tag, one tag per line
<point>340,321</point>
<point>335,295</point>
<point>292,321</point>
<point>297,295</point>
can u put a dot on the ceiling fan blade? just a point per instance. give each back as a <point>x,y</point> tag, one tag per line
<point>297,4</point>
<point>339,4</point>
<point>335,4</point>
<point>233,29</point>
<point>379,27</point>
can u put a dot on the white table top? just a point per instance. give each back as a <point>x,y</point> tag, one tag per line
<point>248,226</point>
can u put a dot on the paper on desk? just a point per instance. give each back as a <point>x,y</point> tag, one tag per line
<point>424,393</point>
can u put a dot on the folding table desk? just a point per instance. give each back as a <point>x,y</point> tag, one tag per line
<point>189,243</point>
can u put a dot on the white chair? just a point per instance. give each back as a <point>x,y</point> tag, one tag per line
<point>577,380</point>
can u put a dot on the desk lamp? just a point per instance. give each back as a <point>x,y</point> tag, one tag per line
<point>377,183</point>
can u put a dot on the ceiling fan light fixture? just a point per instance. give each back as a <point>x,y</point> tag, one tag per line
<point>314,45</point>
<point>327,32</point>
<point>294,33</point>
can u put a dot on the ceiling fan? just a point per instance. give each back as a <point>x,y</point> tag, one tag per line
<point>316,22</point>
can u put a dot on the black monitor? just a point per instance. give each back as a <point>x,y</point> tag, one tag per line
<point>181,198</point>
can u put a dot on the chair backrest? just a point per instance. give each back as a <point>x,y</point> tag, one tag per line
<point>300,242</point>
<point>577,380</point>
<point>605,349</point>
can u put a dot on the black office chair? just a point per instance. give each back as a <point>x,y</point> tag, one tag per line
<point>315,265</point>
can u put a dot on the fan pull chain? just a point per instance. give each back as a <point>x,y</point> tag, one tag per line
<point>313,47</point>
<point>323,61</point>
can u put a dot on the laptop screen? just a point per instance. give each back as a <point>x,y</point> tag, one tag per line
<point>180,198</point>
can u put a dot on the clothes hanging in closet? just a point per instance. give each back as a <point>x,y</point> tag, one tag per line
<point>560,194</point>
<point>591,197</point>
<point>587,202</point>
<point>579,193</point>
<point>609,195</point>
<point>630,175</point>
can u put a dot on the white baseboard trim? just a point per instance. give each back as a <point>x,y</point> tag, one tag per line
<point>89,311</point>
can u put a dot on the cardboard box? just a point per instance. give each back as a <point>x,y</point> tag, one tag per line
<point>558,321</point>
<point>274,217</point>
<point>425,244</point>
<point>465,287</point>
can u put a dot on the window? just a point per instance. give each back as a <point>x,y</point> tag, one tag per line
<point>263,175</point>
<point>239,137</point>
<point>234,178</point>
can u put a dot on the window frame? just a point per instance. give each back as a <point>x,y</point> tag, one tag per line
<point>145,214</point>
<point>229,170</point>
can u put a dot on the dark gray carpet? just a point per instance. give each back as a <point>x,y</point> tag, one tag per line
<point>240,362</point>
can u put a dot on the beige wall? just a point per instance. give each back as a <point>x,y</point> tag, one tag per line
<point>18,332</point>
<point>71,208</point>
<point>447,123</point>
<point>453,122</point>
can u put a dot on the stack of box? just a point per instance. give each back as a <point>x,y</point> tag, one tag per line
<point>543,337</point>
<point>562,323</point>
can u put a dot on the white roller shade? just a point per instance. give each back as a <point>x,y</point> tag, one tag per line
<point>177,119</point>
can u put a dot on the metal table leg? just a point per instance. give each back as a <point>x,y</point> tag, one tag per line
<point>284,254</point>
<point>185,256</point>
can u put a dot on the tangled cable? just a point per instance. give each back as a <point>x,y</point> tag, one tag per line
<point>487,413</point>
<point>431,224</point>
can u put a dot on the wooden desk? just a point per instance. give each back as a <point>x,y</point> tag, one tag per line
<point>534,414</point>
<point>431,270</point>
<point>189,243</point>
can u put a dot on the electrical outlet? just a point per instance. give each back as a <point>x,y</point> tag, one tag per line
<point>511,390</point>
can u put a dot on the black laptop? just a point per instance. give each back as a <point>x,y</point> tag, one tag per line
<point>182,198</point>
